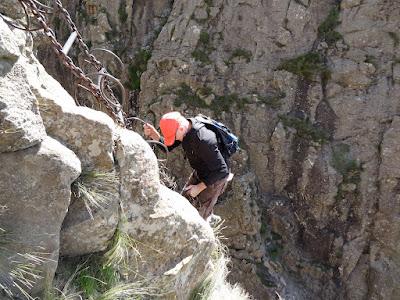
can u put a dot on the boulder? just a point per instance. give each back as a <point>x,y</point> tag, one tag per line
<point>87,132</point>
<point>168,229</point>
<point>36,199</point>
<point>20,123</point>
<point>83,232</point>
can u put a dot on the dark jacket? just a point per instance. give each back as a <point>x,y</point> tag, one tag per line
<point>201,149</point>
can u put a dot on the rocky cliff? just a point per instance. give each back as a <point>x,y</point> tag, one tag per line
<point>312,90</point>
<point>83,213</point>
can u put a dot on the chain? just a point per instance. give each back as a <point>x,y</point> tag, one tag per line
<point>67,61</point>
<point>92,59</point>
<point>98,65</point>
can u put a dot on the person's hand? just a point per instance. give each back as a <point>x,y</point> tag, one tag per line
<point>151,132</point>
<point>194,190</point>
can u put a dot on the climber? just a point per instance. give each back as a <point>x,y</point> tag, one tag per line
<point>211,170</point>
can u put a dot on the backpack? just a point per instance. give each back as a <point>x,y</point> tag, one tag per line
<point>228,141</point>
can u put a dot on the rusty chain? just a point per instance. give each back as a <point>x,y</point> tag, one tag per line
<point>85,81</point>
<point>92,59</point>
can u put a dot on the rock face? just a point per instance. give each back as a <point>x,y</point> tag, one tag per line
<point>36,200</point>
<point>49,144</point>
<point>311,88</point>
<point>152,217</point>
<point>20,124</point>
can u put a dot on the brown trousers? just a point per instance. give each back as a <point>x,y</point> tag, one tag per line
<point>206,200</point>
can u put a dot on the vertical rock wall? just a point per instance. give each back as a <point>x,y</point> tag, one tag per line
<point>311,88</point>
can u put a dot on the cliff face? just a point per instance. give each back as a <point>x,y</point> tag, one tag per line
<point>312,89</point>
<point>72,184</point>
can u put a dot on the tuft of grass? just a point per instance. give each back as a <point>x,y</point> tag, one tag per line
<point>93,278</point>
<point>123,246</point>
<point>215,285</point>
<point>203,48</point>
<point>307,66</point>
<point>326,30</point>
<point>122,14</point>
<point>166,179</point>
<point>227,102</point>
<point>137,68</point>
<point>394,36</point>
<point>186,95</point>
<point>96,189</point>
<point>135,290</point>
<point>349,168</point>
<point>22,274</point>
<point>272,100</point>
<point>305,129</point>
<point>241,53</point>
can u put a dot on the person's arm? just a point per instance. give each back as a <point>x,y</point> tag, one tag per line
<point>152,133</point>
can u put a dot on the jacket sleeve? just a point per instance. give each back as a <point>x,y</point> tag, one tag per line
<point>215,162</point>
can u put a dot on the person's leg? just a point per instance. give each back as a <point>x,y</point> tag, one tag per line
<point>208,198</point>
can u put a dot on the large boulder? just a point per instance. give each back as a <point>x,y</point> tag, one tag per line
<point>20,123</point>
<point>35,191</point>
<point>168,229</point>
<point>85,232</point>
<point>87,132</point>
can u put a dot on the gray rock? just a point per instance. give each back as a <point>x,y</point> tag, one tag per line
<point>166,226</point>
<point>64,121</point>
<point>83,232</point>
<point>20,123</point>
<point>11,40</point>
<point>35,189</point>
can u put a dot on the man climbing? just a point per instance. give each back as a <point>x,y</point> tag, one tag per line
<point>211,171</point>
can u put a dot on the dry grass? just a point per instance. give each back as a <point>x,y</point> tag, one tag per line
<point>215,285</point>
<point>96,189</point>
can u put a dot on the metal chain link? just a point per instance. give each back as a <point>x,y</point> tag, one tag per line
<point>92,59</point>
<point>98,65</point>
<point>67,61</point>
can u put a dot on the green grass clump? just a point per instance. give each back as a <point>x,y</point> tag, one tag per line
<point>185,95</point>
<point>307,65</point>
<point>326,30</point>
<point>122,13</point>
<point>203,48</point>
<point>122,247</point>
<point>272,100</point>
<point>395,38</point>
<point>227,102</point>
<point>305,129</point>
<point>241,53</point>
<point>96,189</point>
<point>201,56</point>
<point>137,68</point>
<point>349,168</point>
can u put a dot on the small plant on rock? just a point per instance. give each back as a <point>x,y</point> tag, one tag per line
<point>307,66</point>
<point>215,285</point>
<point>96,189</point>
<point>326,30</point>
